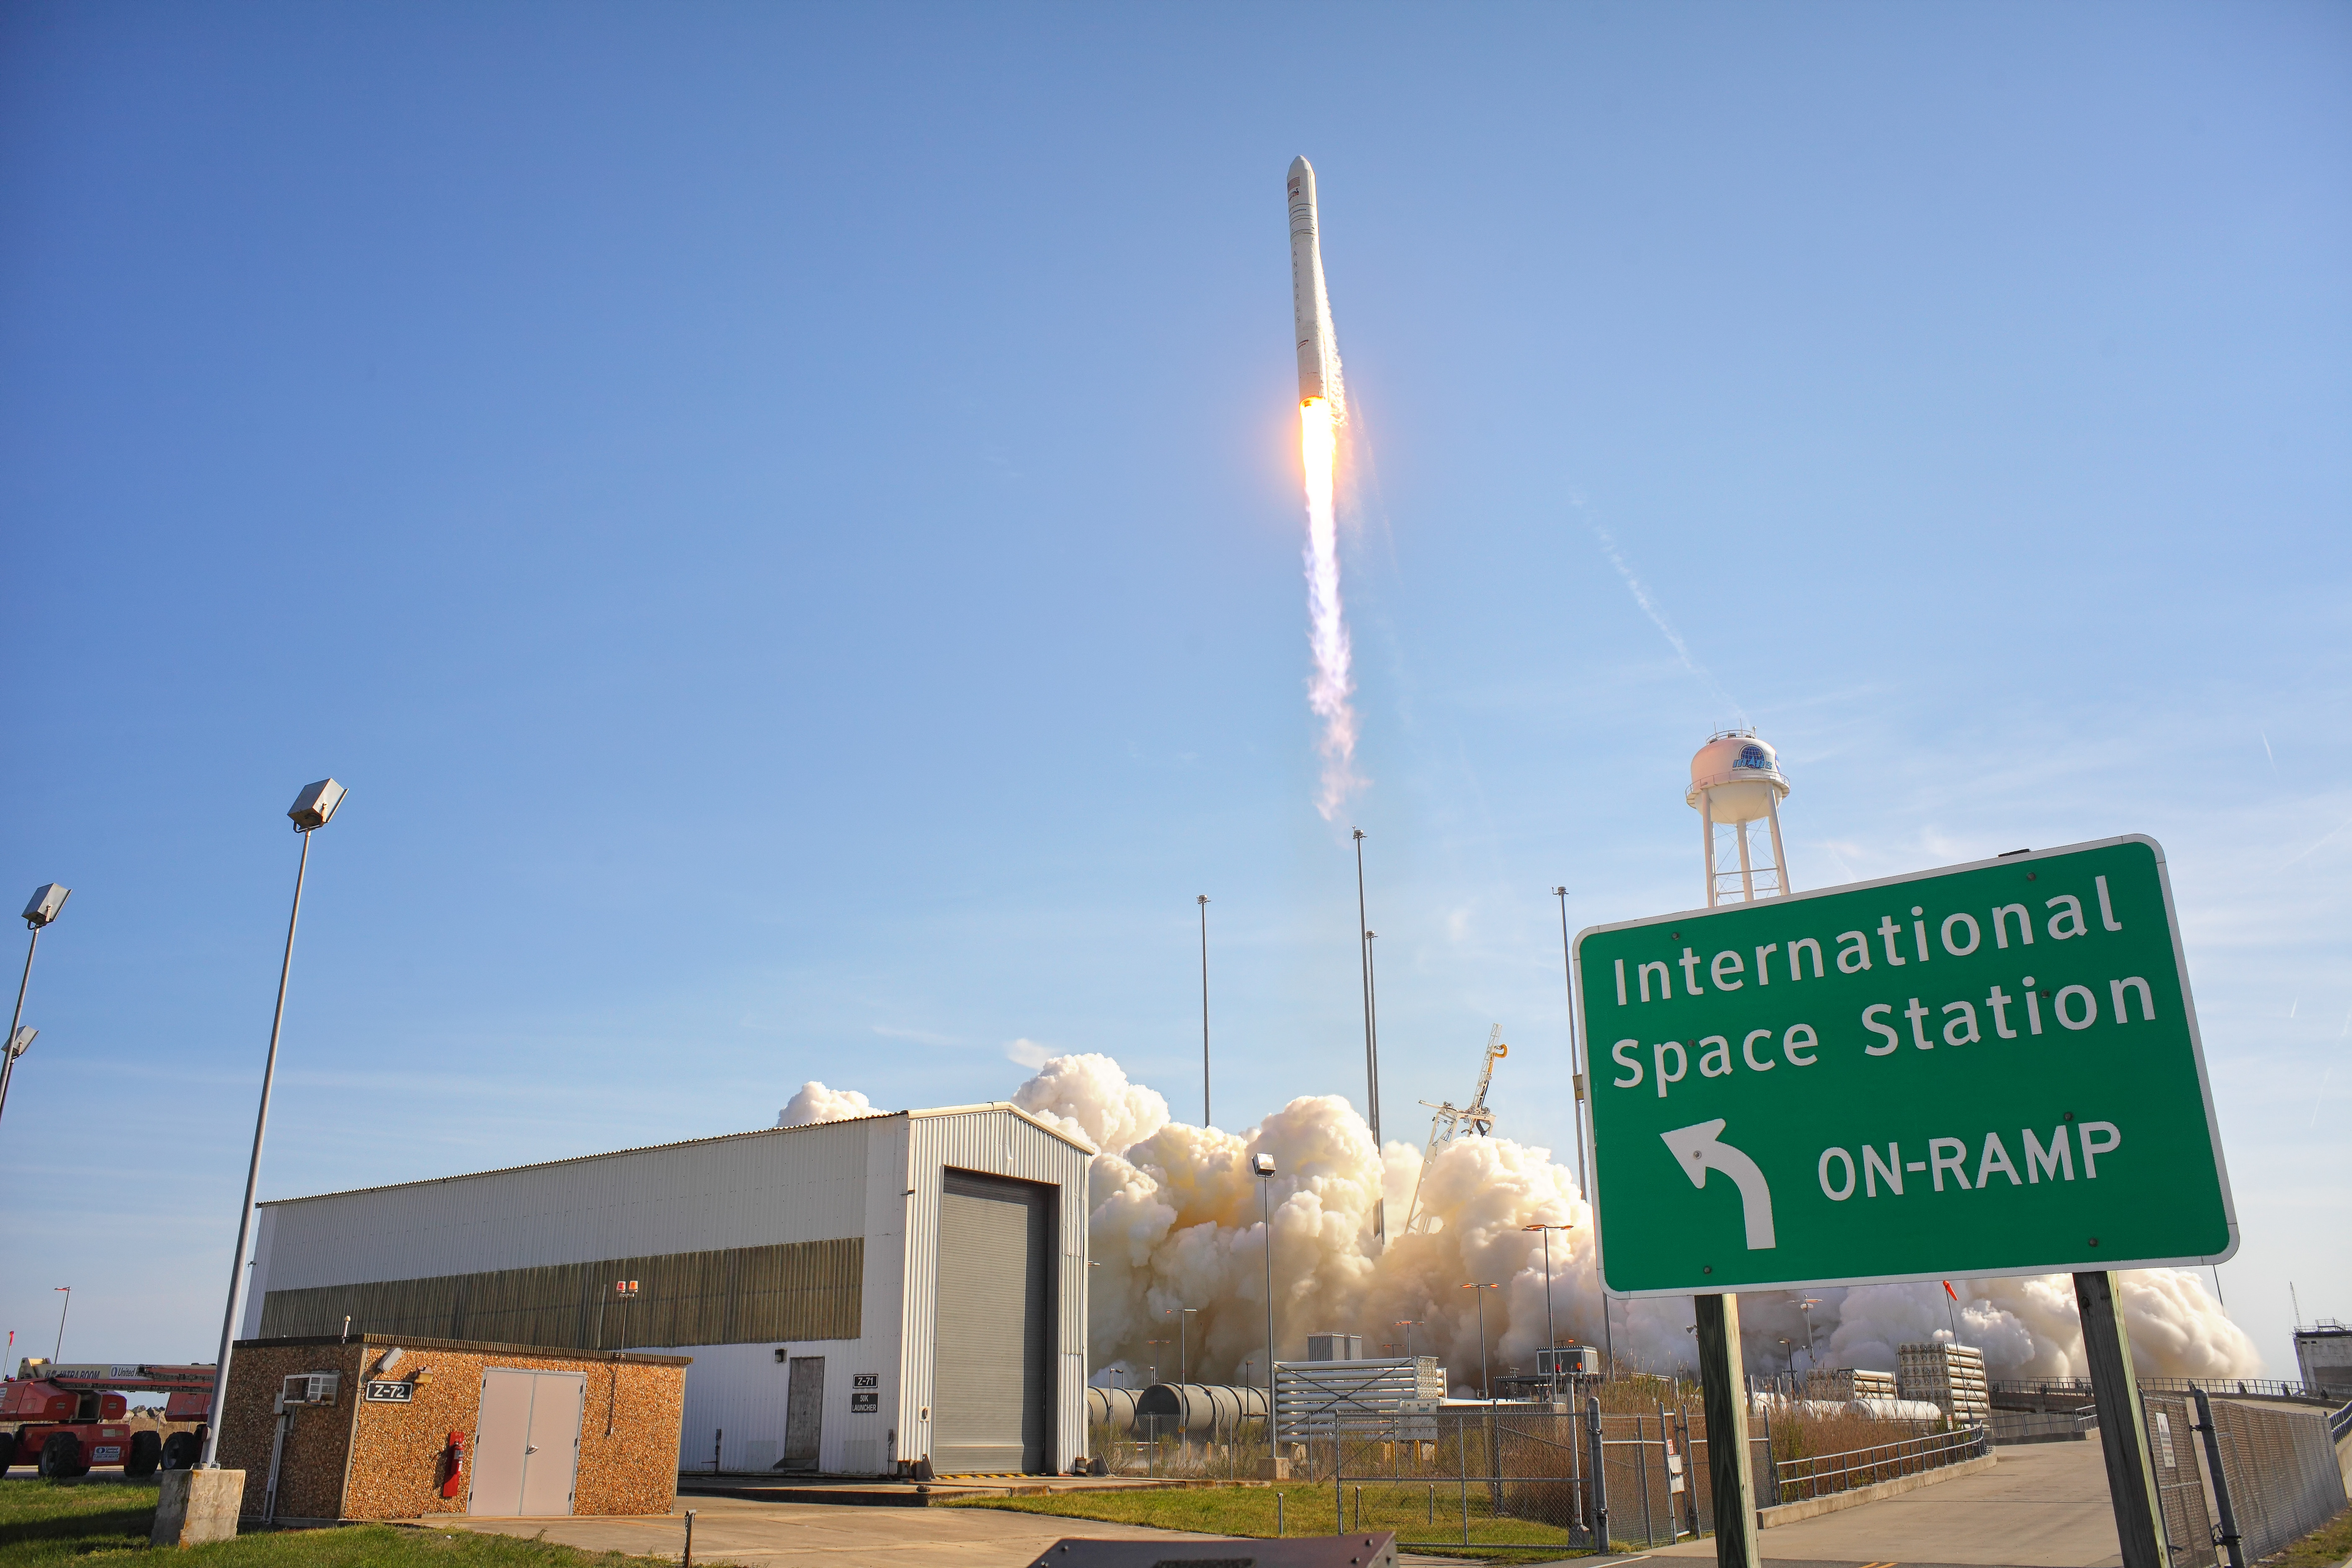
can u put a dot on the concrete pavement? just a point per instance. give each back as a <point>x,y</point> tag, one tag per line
<point>822,1535</point>
<point>2044,1505</point>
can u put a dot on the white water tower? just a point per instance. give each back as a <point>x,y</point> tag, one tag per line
<point>1736,781</point>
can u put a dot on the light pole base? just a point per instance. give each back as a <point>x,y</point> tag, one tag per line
<point>1276,1468</point>
<point>197,1507</point>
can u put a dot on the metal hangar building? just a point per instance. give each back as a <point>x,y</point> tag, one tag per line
<point>857,1296</point>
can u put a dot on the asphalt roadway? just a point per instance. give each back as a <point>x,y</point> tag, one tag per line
<point>2044,1505</point>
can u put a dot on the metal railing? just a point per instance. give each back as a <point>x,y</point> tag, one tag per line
<point>2339,1422</point>
<point>2043,1427</point>
<point>1817,1475</point>
<point>2234,1387</point>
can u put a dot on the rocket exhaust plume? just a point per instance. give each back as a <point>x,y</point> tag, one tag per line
<point>1322,409</point>
<point>1174,1224</point>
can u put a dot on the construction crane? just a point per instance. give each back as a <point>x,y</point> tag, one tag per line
<point>1474,1121</point>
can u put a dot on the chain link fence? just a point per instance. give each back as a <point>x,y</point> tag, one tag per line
<point>1516,1477</point>
<point>2265,1474</point>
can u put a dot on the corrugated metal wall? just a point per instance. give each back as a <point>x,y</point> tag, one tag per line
<point>799,1290</point>
<point>994,1141</point>
<point>713,1195</point>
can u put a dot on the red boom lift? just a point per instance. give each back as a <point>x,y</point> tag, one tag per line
<point>70,1418</point>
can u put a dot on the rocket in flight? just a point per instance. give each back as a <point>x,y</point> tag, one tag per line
<point>1319,358</point>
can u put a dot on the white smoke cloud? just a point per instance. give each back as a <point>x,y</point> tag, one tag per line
<point>815,1102</point>
<point>1089,1095</point>
<point>1178,1221</point>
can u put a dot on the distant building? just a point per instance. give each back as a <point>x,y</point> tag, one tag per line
<point>1848,1383</point>
<point>2323,1352</point>
<point>1949,1376</point>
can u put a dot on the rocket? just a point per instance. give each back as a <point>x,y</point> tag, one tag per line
<point>1310,307</point>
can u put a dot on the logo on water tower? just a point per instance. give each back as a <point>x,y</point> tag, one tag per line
<point>1752,757</point>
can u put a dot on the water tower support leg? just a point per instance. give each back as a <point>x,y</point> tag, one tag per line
<point>1779,855</point>
<point>1707,832</point>
<point>1747,871</point>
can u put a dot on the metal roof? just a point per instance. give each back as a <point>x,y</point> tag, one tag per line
<point>1043,1126</point>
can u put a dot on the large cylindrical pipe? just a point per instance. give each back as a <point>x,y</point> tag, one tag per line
<point>1201,1409</point>
<point>1114,1407</point>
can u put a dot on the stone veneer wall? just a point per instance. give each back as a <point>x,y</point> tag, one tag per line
<point>358,1460</point>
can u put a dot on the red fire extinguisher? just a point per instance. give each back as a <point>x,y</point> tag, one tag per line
<point>452,1466</point>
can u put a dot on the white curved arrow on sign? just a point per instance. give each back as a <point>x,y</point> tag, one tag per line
<point>1698,1150</point>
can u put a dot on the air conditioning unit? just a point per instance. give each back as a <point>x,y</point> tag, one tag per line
<point>1568,1360</point>
<point>310,1388</point>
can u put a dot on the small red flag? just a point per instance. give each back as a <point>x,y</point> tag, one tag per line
<point>1955,1295</point>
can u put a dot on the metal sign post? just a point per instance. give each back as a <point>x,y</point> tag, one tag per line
<point>1988,1069</point>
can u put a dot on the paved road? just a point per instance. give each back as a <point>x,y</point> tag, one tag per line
<point>2044,1505</point>
<point>824,1535</point>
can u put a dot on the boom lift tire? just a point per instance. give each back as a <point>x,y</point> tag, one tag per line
<point>146,1454</point>
<point>180,1451</point>
<point>61,1458</point>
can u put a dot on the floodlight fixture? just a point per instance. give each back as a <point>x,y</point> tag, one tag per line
<point>39,910</point>
<point>315,807</point>
<point>1263,1164</point>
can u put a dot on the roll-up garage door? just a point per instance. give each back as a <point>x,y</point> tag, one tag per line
<point>993,1399</point>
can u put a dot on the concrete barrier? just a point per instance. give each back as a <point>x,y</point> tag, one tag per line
<point>1790,1512</point>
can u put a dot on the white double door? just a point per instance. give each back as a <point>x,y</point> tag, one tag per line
<point>526,1443</point>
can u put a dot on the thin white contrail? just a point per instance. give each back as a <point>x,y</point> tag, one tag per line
<point>1649,604</point>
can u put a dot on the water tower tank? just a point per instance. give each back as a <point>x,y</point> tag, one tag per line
<point>1740,774</point>
<point>1736,779</point>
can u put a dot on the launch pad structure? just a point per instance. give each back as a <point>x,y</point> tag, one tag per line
<point>1450,1123</point>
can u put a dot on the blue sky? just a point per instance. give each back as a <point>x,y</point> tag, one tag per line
<point>787,521</point>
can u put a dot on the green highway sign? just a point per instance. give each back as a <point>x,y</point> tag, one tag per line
<point>1992,1069</point>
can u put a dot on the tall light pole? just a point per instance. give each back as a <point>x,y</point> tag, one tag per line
<point>1202,900</point>
<point>1485,1386</point>
<point>1372,1042</point>
<point>46,900</point>
<point>1551,1334</point>
<point>1408,1324</point>
<point>1372,989</point>
<point>59,1352</point>
<point>1263,1164</point>
<point>311,810</point>
<point>1575,1060</point>
<point>1812,1356</point>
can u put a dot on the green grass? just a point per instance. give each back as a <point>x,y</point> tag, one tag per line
<point>45,1523</point>
<point>2325,1547</point>
<point>1305,1508</point>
